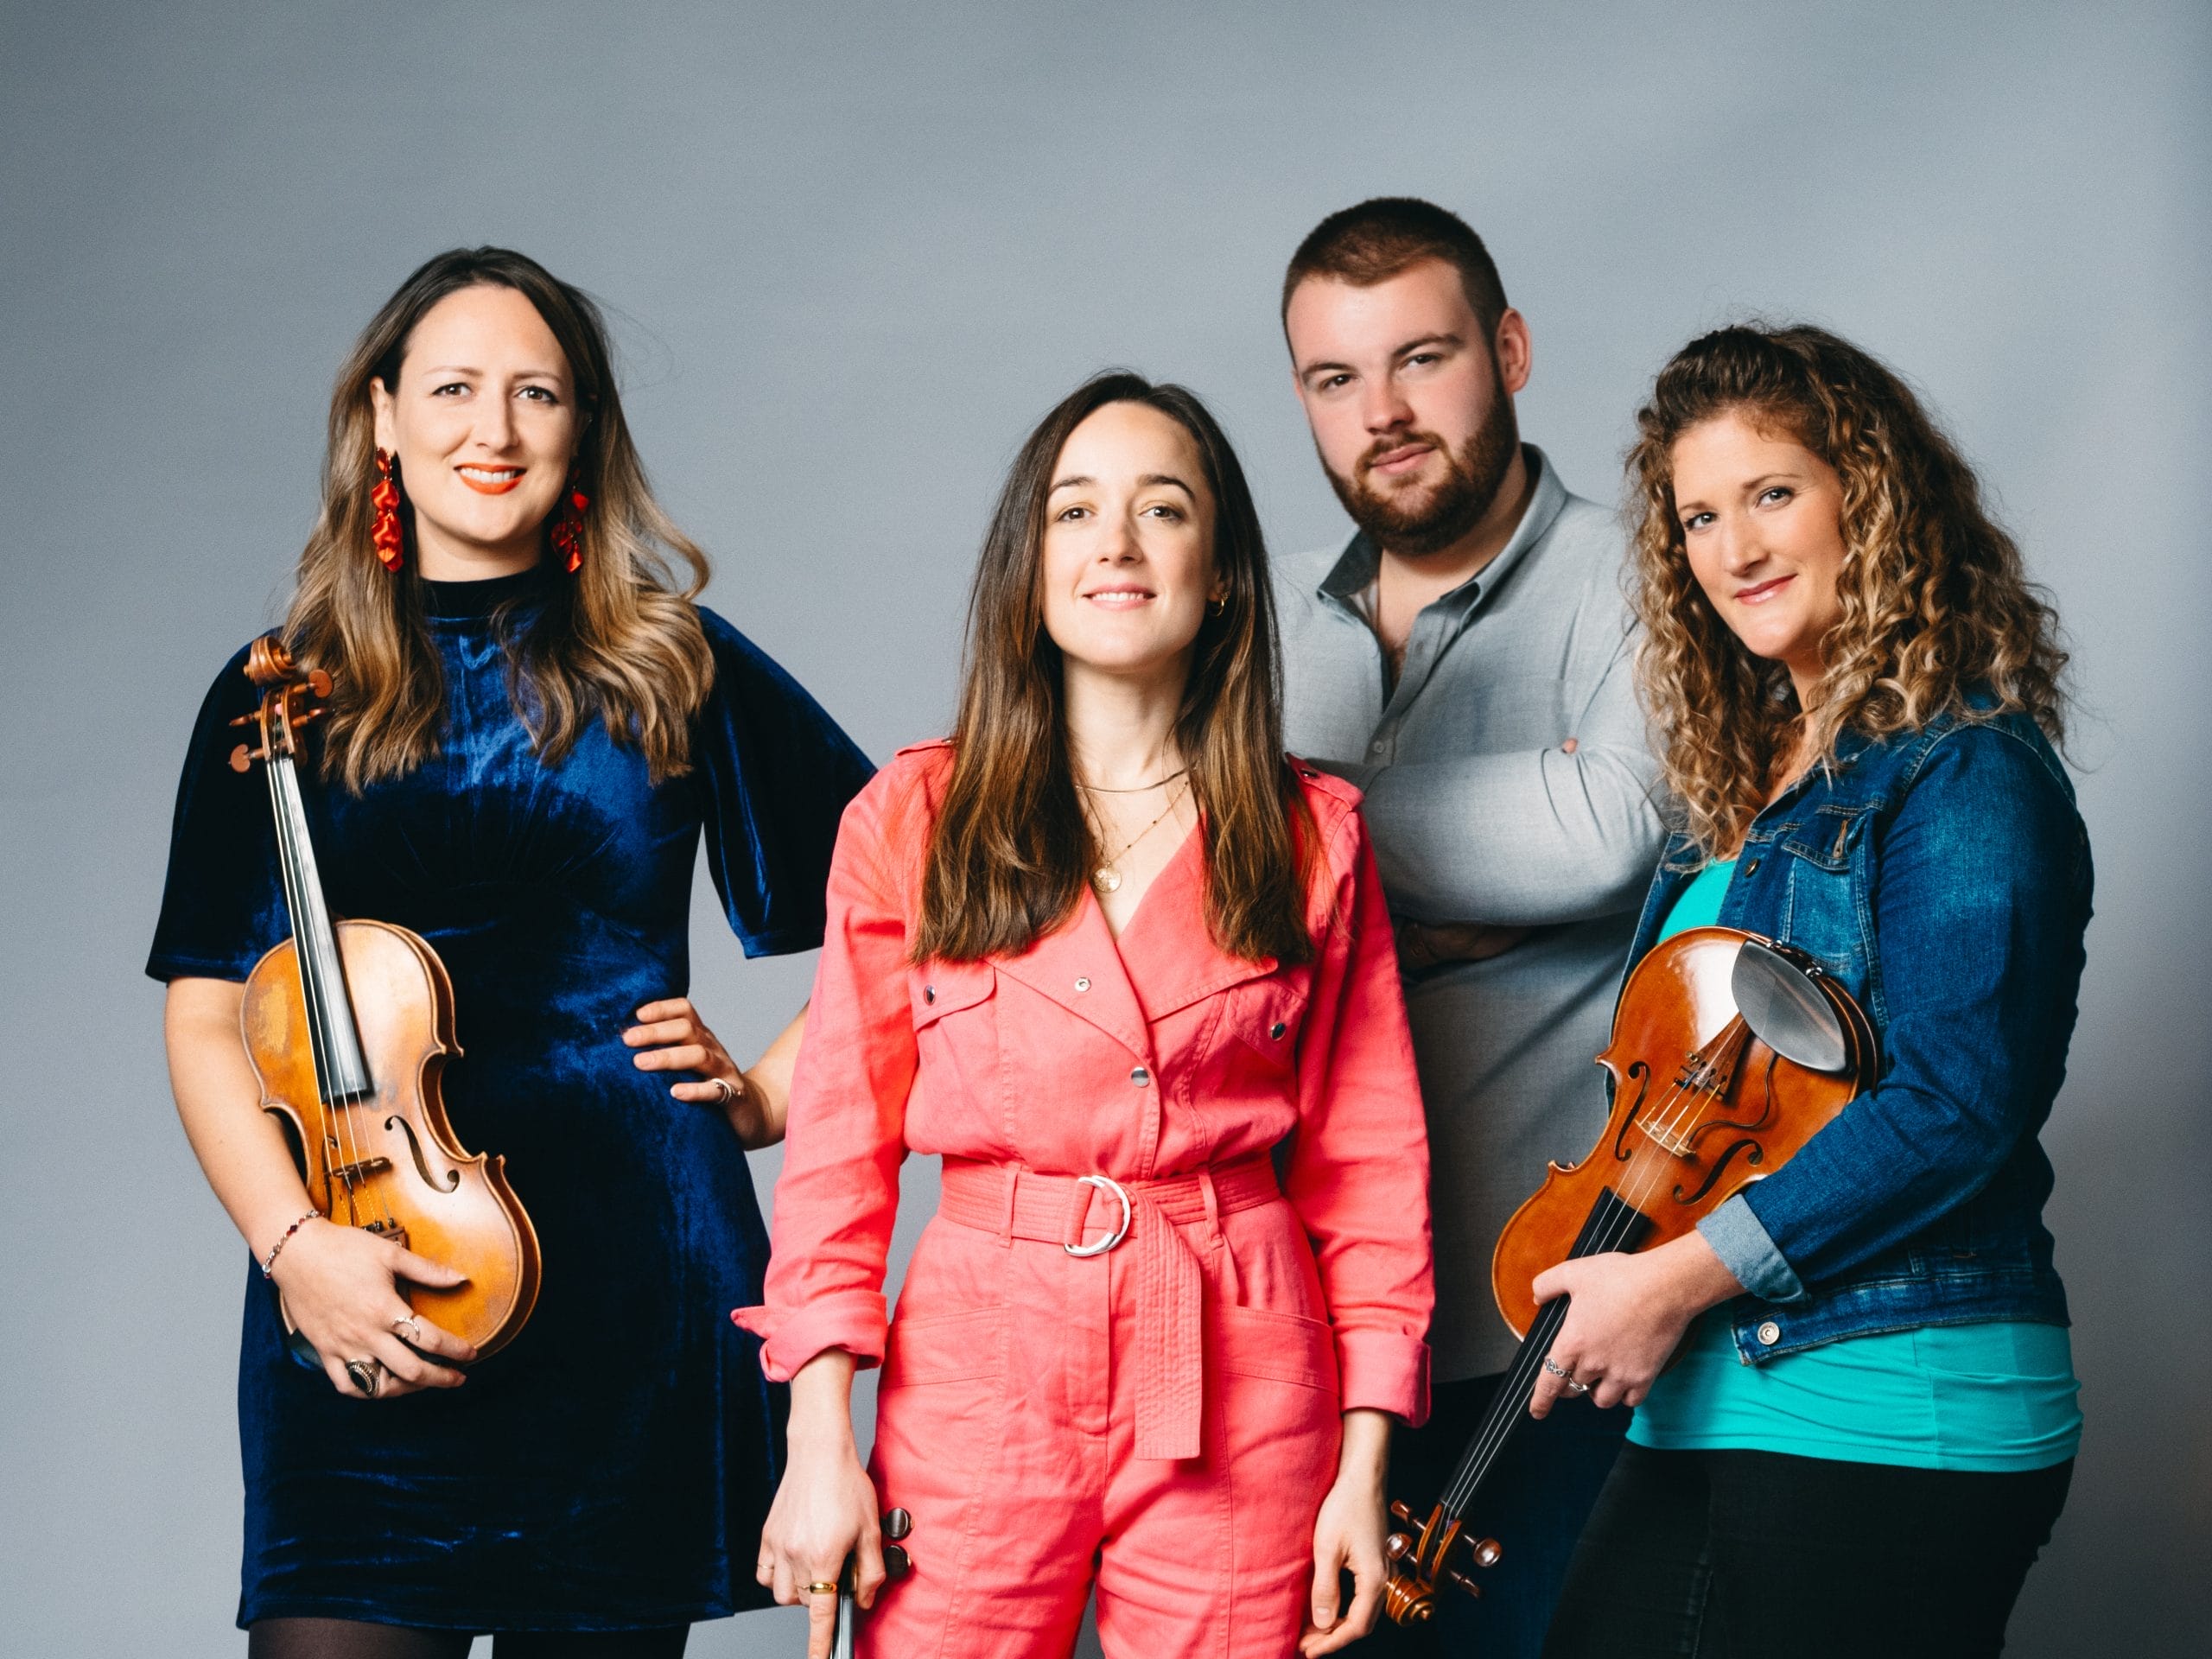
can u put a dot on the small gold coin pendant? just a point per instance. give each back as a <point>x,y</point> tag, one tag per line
<point>1106,879</point>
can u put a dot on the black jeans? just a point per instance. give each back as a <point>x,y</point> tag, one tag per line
<point>1534,1503</point>
<point>1744,1554</point>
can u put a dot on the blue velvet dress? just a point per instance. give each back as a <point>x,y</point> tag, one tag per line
<point>610,1469</point>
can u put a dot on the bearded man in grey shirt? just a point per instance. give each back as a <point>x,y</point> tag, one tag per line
<point>1467,660</point>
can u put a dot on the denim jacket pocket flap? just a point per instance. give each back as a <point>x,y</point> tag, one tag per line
<point>936,988</point>
<point>1825,838</point>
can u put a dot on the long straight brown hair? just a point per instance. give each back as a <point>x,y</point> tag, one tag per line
<point>1011,848</point>
<point>618,641</point>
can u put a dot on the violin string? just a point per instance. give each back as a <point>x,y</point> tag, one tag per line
<point>310,994</point>
<point>314,983</point>
<point>336,1003</point>
<point>1649,1165</point>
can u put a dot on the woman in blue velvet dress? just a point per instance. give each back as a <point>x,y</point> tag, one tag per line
<point>533,728</point>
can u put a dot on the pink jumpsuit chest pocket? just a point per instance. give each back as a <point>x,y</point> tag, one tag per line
<point>938,989</point>
<point>1266,1016</point>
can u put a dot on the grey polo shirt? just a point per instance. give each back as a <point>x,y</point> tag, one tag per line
<point>1478,814</point>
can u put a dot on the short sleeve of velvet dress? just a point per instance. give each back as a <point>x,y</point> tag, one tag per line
<point>612,1466</point>
<point>777,773</point>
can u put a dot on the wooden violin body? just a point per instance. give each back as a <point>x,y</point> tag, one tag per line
<point>1728,1053</point>
<point>388,1162</point>
<point>1703,1106</point>
<point>347,1024</point>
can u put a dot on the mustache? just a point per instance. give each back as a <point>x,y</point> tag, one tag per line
<point>1382,446</point>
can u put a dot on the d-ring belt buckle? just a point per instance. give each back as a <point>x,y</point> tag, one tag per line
<point>1105,1184</point>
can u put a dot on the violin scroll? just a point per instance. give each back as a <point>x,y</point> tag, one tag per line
<point>286,689</point>
<point>1432,1551</point>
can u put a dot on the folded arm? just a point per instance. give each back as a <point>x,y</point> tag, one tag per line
<point>1528,838</point>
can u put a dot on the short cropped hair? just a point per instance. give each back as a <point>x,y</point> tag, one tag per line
<point>1377,239</point>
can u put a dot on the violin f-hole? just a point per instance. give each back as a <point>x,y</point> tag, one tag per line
<point>1641,1070</point>
<point>451,1182</point>
<point>1752,1159</point>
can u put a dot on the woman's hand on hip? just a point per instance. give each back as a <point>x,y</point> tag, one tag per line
<point>1628,1316</point>
<point>1348,1537</point>
<point>825,1507</point>
<point>341,1287</point>
<point>669,1036</point>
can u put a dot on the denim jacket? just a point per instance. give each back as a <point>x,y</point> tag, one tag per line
<point>1944,877</point>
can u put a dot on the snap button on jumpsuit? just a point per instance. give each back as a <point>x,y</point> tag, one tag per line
<point>1161,1417</point>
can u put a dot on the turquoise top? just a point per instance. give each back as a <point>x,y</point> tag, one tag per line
<point>1993,1397</point>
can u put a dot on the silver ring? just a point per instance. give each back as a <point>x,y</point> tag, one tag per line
<point>1106,1183</point>
<point>728,1089</point>
<point>367,1375</point>
<point>1565,1374</point>
<point>409,1330</point>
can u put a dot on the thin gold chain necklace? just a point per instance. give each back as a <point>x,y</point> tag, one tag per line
<point>1106,878</point>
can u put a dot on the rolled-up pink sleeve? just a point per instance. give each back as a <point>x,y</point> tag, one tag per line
<point>838,1194</point>
<point>1359,1172</point>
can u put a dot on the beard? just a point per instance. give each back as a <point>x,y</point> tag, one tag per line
<point>1454,507</point>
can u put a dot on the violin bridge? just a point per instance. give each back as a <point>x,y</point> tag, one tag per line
<point>359,1170</point>
<point>387,1228</point>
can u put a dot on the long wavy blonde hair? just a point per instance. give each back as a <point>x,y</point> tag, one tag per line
<point>1938,615</point>
<point>619,641</point>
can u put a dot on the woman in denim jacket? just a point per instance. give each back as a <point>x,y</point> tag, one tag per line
<point>1871,1425</point>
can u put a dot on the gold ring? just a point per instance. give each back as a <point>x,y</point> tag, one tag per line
<point>818,1588</point>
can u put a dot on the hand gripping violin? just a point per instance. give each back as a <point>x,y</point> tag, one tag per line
<point>1729,1053</point>
<point>897,1563</point>
<point>347,1024</point>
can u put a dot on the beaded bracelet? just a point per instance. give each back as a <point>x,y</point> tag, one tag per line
<point>268,1262</point>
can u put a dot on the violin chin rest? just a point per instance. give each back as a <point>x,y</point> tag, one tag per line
<point>1786,1009</point>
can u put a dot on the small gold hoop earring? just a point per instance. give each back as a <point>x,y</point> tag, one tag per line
<point>1215,606</point>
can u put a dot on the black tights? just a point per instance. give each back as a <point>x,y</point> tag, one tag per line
<point>346,1638</point>
<point>1762,1555</point>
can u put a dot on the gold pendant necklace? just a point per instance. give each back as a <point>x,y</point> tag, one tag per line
<point>1106,878</point>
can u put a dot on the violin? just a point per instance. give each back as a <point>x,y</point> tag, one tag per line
<point>897,1563</point>
<point>1729,1053</point>
<point>349,1025</point>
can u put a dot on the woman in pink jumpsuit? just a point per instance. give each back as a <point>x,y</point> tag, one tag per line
<point>1178,1280</point>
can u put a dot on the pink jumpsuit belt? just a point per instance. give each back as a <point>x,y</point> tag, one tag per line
<point>1091,1215</point>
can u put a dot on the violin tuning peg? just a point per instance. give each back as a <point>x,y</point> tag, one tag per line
<point>1486,1552</point>
<point>1397,1547</point>
<point>319,682</point>
<point>896,1524</point>
<point>1466,1583</point>
<point>241,758</point>
<point>247,719</point>
<point>1399,1512</point>
<point>897,1563</point>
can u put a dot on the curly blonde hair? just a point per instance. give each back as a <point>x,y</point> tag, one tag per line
<point>1938,615</point>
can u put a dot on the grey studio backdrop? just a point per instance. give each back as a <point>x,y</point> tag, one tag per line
<point>853,254</point>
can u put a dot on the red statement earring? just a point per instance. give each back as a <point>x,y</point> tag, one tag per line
<point>568,533</point>
<point>386,536</point>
